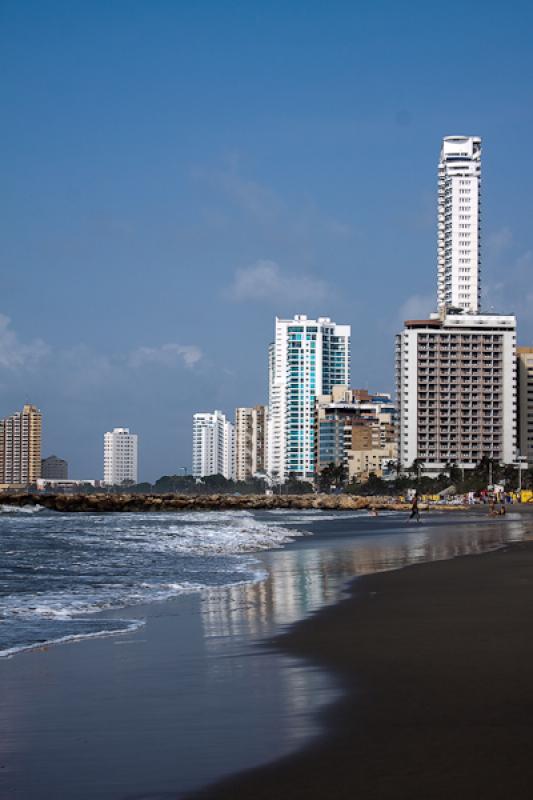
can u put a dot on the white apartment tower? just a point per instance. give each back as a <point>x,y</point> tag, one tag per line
<point>459,224</point>
<point>456,371</point>
<point>251,428</point>
<point>120,457</point>
<point>307,358</point>
<point>213,445</point>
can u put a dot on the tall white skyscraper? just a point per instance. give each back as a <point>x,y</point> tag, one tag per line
<point>120,456</point>
<point>213,445</point>
<point>456,370</point>
<point>459,224</point>
<point>307,358</point>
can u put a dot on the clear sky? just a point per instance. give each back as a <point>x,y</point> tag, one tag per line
<point>175,174</point>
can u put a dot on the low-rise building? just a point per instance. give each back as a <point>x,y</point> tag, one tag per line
<point>353,422</point>
<point>54,468</point>
<point>61,485</point>
<point>365,461</point>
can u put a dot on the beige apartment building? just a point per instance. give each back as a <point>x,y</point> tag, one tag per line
<point>20,448</point>
<point>251,430</point>
<point>525,402</point>
<point>364,461</point>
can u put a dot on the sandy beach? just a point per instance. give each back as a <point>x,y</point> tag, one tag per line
<point>436,664</point>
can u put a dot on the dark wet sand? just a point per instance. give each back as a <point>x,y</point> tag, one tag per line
<point>437,663</point>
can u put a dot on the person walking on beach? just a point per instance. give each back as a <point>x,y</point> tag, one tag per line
<point>415,511</point>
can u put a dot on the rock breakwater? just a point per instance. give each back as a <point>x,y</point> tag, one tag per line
<point>176,502</point>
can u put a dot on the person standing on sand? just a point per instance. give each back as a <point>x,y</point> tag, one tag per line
<point>415,511</point>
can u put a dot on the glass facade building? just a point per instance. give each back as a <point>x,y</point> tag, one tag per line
<point>307,359</point>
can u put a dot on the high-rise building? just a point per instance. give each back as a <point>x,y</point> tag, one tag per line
<point>459,224</point>
<point>120,457</point>
<point>456,371</point>
<point>251,427</point>
<point>213,445</point>
<point>54,468</point>
<point>20,447</point>
<point>457,390</point>
<point>525,403</point>
<point>307,358</point>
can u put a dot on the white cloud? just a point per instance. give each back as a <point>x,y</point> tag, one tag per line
<point>168,355</point>
<point>418,306</point>
<point>264,280</point>
<point>13,353</point>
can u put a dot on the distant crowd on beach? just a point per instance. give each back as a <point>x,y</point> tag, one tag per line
<point>496,500</point>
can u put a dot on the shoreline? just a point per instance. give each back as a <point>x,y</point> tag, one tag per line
<point>117,503</point>
<point>194,694</point>
<point>434,663</point>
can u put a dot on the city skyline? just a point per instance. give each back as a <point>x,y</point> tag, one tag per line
<point>141,203</point>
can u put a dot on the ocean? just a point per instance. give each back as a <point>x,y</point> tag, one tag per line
<point>58,570</point>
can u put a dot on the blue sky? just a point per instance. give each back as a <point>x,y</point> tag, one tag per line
<point>176,174</point>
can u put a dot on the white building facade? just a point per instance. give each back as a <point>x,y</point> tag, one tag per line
<point>120,457</point>
<point>307,358</point>
<point>213,445</point>
<point>459,224</point>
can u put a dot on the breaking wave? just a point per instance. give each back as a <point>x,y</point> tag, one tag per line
<point>57,571</point>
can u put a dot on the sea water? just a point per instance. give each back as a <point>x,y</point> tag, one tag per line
<point>57,570</point>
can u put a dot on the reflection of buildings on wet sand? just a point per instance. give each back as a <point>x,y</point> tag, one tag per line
<point>312,574</point>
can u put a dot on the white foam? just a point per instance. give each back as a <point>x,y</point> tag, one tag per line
<point>27,509</point>
<point>129,627</point>
<point>209,533</point>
